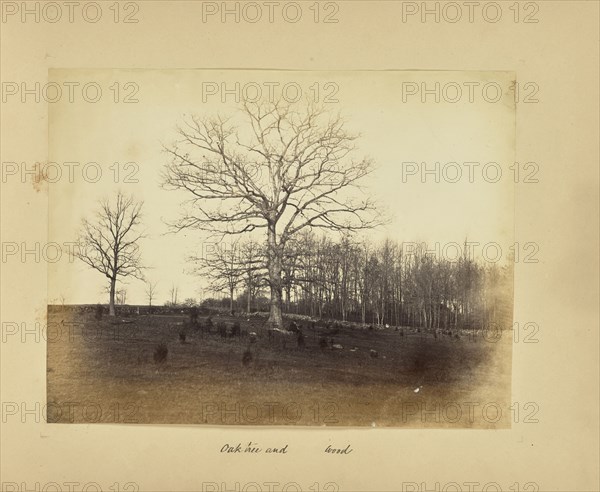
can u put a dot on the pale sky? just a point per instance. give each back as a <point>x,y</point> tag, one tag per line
<point>395,126</point>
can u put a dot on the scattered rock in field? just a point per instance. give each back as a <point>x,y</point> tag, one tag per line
<point>337,346</point>
<point>416,390</point>
<point>252,336</point>
<point>284,332</point>
<point>246,358</point>
<point>300,340</point>
<point>160,353</point>
<point>373,353</point>
<point>353,349</point>
<point>194,315</point>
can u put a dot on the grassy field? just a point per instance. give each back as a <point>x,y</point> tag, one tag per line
<point>105,371</point>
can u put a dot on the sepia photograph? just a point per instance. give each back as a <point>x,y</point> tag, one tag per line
<point>282,248</point>
<point>312,245</point>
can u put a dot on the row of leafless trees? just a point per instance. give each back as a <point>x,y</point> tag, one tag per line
<point>354,280</point>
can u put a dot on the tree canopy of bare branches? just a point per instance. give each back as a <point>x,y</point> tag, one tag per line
<point>286,169</point>
<point>109,242</point>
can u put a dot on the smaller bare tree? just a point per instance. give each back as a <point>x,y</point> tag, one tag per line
<point>109,242</point>
<point>121,296</point>
<point>253,264</point>
<point>151,291</point>
<point>224,268</point>
<point>173,293</point>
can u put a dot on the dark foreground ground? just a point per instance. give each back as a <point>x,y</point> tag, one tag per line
<point>105,371</point>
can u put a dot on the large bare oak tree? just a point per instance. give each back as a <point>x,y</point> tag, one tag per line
<point>274,167</point>
<point>109,242</point>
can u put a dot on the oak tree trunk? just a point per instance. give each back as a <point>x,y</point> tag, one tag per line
<point>111,302</point>
<point>274,261</point>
